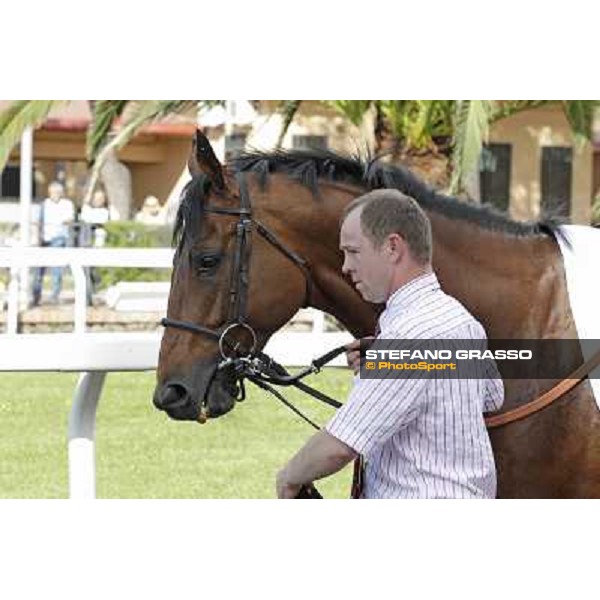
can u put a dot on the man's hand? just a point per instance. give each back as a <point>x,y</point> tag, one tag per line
<point>353,353</point>
<point>286,490</point>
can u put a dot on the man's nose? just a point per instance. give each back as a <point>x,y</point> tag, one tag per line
<point>345,266</point>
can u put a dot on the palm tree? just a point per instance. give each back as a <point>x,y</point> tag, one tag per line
<point>445,136</point>
<point>113,124</point>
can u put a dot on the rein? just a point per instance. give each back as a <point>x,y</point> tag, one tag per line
<point>547,398</point>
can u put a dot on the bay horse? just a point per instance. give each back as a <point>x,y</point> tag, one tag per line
<point>258,238</point>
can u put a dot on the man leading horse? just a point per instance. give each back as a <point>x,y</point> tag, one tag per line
<point>420,436</point>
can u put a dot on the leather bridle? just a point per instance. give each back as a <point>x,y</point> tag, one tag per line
<point>239,280</point>
<point>253,364</point>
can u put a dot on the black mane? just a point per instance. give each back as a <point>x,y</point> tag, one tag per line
<point>307,167</point>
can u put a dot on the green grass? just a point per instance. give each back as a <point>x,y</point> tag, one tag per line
<point>141,453</point>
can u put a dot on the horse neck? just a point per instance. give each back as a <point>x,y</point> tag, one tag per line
<point>514,285</point>
<point>311,227</point>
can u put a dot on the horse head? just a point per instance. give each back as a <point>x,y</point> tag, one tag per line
<point>232,286</point>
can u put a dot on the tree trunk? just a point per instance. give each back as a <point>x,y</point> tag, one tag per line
<point>429,166</point>
<point>385,142</point>
<point>116,178</point>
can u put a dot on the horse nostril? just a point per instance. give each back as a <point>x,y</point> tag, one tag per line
<point>170,395</point>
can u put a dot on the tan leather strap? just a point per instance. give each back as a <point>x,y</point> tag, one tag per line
<point>546,398</point>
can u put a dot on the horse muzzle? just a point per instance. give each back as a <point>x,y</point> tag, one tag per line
<point>184,402</point>
<point>177,401</point>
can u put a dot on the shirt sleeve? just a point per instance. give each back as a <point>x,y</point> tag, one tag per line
<point>376,409</point>
<point>494,388</point>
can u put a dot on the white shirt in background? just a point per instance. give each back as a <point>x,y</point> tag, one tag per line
<point>98,216</point>
<point>55,218</point>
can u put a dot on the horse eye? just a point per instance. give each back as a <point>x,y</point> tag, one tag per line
<point>205,264</point>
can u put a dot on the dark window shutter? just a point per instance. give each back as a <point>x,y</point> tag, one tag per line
<point>557,175</point>
<point>494,175</point>
<point>10,183</point>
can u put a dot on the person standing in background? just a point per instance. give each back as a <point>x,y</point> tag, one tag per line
<point>56,213</point>
<point>93,217</point>
<point>96,214</point>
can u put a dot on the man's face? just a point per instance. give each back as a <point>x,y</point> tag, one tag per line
<point>55,192</point>
<point>368,267</point>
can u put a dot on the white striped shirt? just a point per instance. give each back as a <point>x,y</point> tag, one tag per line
<point>423,437</point>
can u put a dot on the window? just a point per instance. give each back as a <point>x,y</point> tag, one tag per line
<point>309,142</point>
<point>494,175</point>
<point>557,174</point>
<point>234,145</point>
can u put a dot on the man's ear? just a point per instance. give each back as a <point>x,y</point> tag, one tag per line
<point>396,246</point>
<point>202,160</point>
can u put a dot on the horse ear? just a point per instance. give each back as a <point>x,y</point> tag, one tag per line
<point>203,160</point>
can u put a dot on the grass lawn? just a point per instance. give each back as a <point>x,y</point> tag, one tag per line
<point>141,453</point>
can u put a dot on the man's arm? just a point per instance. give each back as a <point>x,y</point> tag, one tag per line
<point>321,456</point>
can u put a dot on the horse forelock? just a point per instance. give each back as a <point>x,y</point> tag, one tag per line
<point>189,213</point>
<point>310,167</point>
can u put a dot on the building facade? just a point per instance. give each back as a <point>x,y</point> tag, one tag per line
<point>531,165</point>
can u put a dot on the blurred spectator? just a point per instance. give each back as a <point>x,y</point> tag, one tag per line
<point>151,212</point>
<point>93,217</point>
<point>56,213</point>
<point>96,214</point>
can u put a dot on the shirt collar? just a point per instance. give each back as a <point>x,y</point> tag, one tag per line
<point>413,291</point>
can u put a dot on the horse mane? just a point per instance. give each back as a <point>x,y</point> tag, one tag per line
<point>309,166</point>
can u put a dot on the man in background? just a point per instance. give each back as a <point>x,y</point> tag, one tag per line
<point>56,213</point>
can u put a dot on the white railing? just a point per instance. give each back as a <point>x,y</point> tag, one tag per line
<point>95,354</point>
<point>91,354</point>
<point>17,259</point>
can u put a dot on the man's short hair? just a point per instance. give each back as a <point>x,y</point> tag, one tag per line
<point>388,211</point>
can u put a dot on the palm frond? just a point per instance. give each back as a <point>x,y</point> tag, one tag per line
<point>470,131</point>
<point>501,109</point>
<point>396,113</point>
<point>105,113</point>
<point>142,113</point>
<point>353,110</point>
<point>580,114</point>
<point>16,118</point>
<point>421,126</point>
